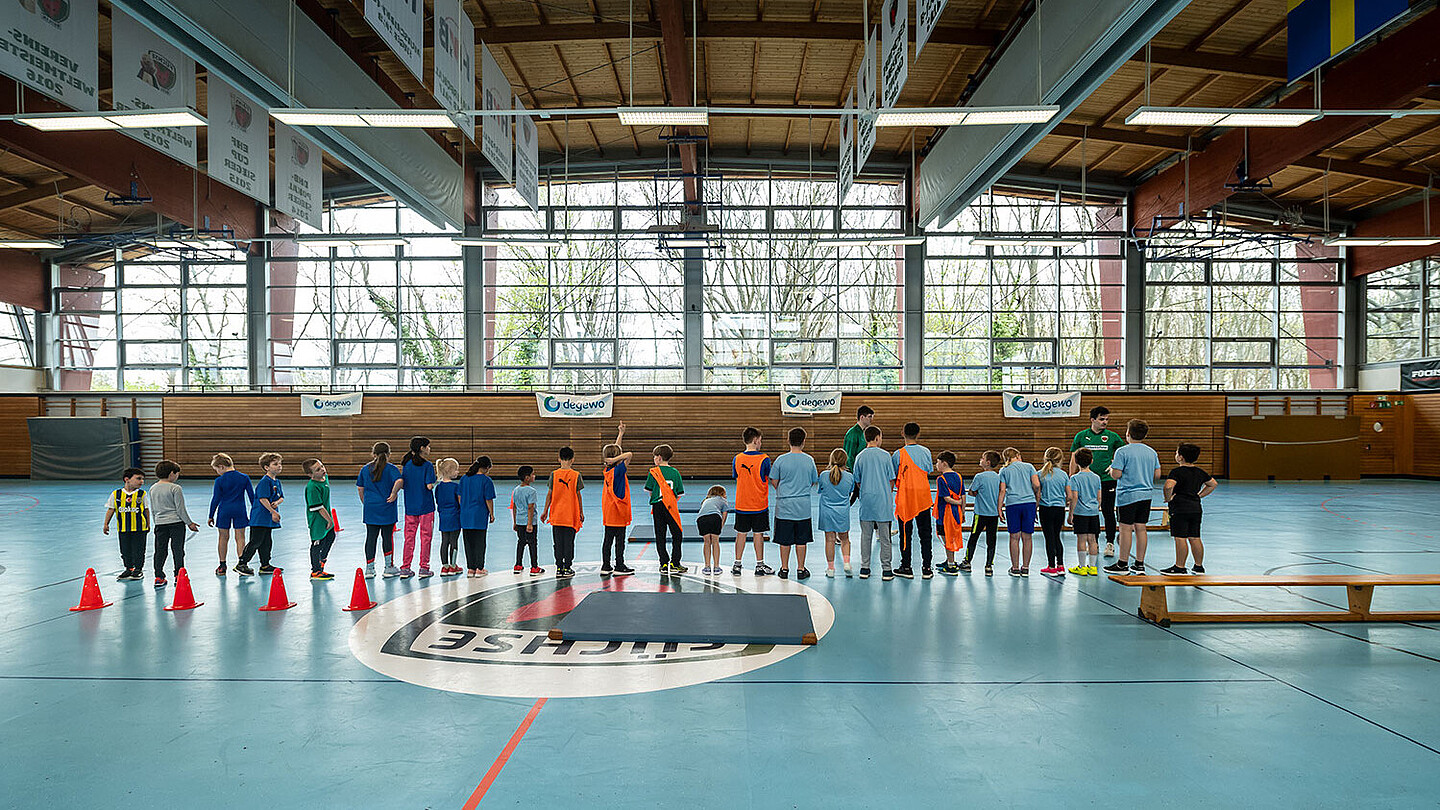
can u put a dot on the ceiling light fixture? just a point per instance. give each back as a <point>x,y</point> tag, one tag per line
<point>1382,241</point>
<point>502,241</point>
<point>920,118</point>
<point>981,116</point>
<point>869,241</point>
<point>664,116</point>
<point>328,240</point>
<point>379,119</point>
<point>1219,117</point>
<point>110,119</point>
<point>684,242</point>
<point>29,244</point>
<point>1027,240</point>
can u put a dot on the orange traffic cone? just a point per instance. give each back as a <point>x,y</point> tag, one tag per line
<point>184,597</point>
<point>360,595</point>
<point>90,598</point>
<point>335,516</point>
<point>278,599</point>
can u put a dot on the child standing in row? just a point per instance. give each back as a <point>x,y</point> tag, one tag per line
<point>1085,490</point>
<point>949,510</point>
<point>913,466</point>
<point>264,517</point>
<point>1019,490</point>
<point>447,511</point>
<point>418,475</point>
<point>615,505</point>
<point>477,512</point>
<point>524,503</point>
<point>1134,469</point>
<point>167,501</point>
<point>709,523</point>
<point>751,471</point>
<point>318,518</point>
<point>1054,496</point>
<point>836,487</point>
<point>565,513</point>
<point>875,481</point>
<point>664,485</point>
<point>127,505</point>
<point>1184,487</point>
<point>794,477</point>
<point>378,487</point>
<point>229,510</point>
<point>985,489</point>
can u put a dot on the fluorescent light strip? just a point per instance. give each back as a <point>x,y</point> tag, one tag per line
<point>664,116</point>
<point>919,119</point>
<point>30,244</point>
<point>379,119</point>
<point>981,116</point>
<point>500,241</point>
<point>1383,241</point>
<point>1024,240</point>
<point>357,240</point>
<point>685,242</point>
<point>1219,117</point>
<point>315,118</point>
<point>110,119</point>
<point>869,241</point>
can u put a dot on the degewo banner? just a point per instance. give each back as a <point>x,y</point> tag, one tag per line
<point>151,74</point>
<point>320,405</point>
<point>575,406</point>
<point>53,46</point>
<point>1041,406</point>
<point>808,403</point>
<point>238,149</point>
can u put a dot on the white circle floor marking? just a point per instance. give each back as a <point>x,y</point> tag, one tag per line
<point>489,636</point>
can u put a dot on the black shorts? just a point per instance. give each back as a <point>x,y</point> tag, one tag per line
<point>1133,514</point>
<point>1087,524</point>
<point>1185,525</point>
<point>753,522</point>
<point>792,532</point>
<point>709,524</point>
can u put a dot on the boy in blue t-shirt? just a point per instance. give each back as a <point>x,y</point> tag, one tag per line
<point>524,506</point>
<point>1134,469</point>
<point>264,516</point>
<point>1085,488</point>
<point>985,488</point>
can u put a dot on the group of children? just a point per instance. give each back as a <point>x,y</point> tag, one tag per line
<point>888,487</point>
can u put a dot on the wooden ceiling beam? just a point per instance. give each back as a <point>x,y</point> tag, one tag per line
<point>677,76</point>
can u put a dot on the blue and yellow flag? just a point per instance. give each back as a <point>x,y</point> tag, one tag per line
<point>1320,30</point>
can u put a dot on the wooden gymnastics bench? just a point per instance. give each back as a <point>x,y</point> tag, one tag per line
<point>1358,587</point>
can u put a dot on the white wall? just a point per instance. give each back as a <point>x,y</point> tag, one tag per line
<point>21,379</point>
<point>1378,378</point>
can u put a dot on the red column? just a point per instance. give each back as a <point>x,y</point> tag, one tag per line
<point>1112,295</point>
<point>1321,316</point>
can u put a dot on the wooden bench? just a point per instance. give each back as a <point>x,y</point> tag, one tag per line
<point>1359,588</point>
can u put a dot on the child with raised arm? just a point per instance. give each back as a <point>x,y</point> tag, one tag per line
<point>524,512</point>
<point>949,510</point>
<point>1085,493</point>
<point>264,516</point>
<point>229,506</point>
<point>615,505</point>
<point>837,486</point>
<point>1184,487</point>
<point>564,512</point>
<point>127,506</point>
<point>709,523</point>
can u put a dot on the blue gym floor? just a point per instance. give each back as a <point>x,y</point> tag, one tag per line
<point>941,693</point>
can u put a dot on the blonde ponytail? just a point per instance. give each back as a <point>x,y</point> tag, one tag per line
<point>1052,458</point>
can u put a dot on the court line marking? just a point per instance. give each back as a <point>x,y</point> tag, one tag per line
<point>495,768</point>
<point>197,679</point>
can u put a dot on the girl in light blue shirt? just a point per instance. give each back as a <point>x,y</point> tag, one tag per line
<point>836,487</point>
<point>1019,489</point>
<point>1054,496</point>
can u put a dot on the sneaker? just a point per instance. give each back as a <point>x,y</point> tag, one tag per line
<point>1080,570</point>
<point>606,570</point>
<point>949,569</point>
<point>679,569</point>
<point>569,572</point>
<point>761,569</point>
<point>370,571</point>
<point>1173,570</point>
<point>1015,572</point>
<point>270,569</point>
<point>124,576</point>
<point>963,567</point>
<point>904,572</point>
<point>802,573</point>
<point>623,570</point>
<point>321,576</point>
<point>830,572</point>
<point>783,573</point>
<point>887,575</point>
<point>736,569</point>
<point>390,571</point>
<point>1059,571</point>
<point>864,573</point>
<point>1025,572</point>
<point>989,570</point>
<point>220,571</point>
<point>1197,569</point>
<point>1047,570</point>
<point>406,573</point>
<point>848,572</point>
<point>1092,571</point>
<point>1120,567</point>
<point>161,582</point>
<point>536,571</point>
<point>927,572</point>
<point>519,569</point>
<point>426,573</point>
<point>1137,568</point>
<point>244,570</point>
<point>1110,549</point>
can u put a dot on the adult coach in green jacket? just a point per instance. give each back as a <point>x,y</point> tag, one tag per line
<point>1102,444</point>
<point>855,437</point>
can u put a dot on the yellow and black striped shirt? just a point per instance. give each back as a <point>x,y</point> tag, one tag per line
<point>130,512</point>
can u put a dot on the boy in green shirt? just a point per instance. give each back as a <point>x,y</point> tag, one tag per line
<point>665,487</point>
<point>319,518</point>
<point>1102,444</point>
<point>855,437</point>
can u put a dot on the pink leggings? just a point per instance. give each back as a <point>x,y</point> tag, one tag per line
<point>426,525</point>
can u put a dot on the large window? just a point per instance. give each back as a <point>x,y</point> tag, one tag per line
<point>15,340</point>
<point>1402,312</point>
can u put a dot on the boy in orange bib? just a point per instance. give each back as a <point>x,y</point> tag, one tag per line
<point>615,506</point>
<point>949,510</point>
<point>564,512</point>
<point>913,466</point>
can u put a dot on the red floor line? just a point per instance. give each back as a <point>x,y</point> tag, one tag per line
<point>504,756</point>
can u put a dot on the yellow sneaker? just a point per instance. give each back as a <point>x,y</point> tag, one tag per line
<point>1092,571</point>
<point>1080,570</point>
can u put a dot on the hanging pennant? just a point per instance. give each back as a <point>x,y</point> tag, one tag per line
<point>54,48</point>
<point>149,74</point>
<point>865,93</point>
<point>895,38</point>
<point>455,60</point>
<point>297,177</point>
<point>495,137</point>
<point>237,149</point>
<point>527,158</point>
<point>927,16</point>
<point>845,175</point>
<point>401,23</point>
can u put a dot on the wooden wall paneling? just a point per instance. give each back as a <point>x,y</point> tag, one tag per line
<point>1425,430</point>
<point>1388,450</point>
<point>15,433</point>
<point>1290,458</point>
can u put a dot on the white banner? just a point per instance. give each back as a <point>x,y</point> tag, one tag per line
<point>53,46</point>
<point>150,73</point>
<point>1041,406</point>
<point>927,16</point>
<point>238,147</point>
<point>455,60</point>
<point>317,405</point>
<point>845,174</point>
<point>575,406</point>
<point>865,97</point>
<point>527,158</point>
<point>495,137</point>
<point>297,176</point>
<point>401,23</point>
<point>895,41</point>
<point>805,403</point>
